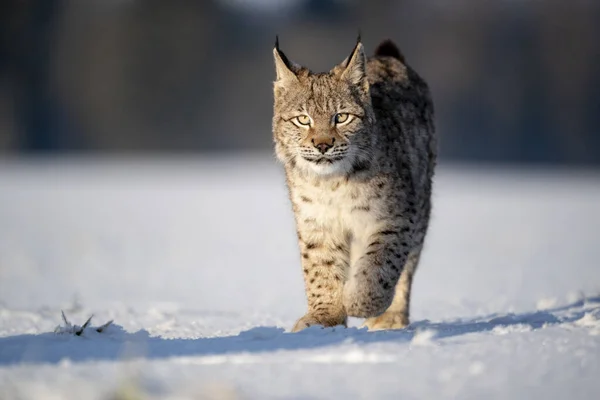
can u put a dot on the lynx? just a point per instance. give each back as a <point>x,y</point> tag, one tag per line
<point>359,149</point>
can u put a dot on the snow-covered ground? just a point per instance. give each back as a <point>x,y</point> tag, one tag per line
<point>196,262</point>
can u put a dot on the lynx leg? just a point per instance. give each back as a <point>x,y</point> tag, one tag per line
<point>397,315</point>
<point>370,289</point>
<point>324,263</point>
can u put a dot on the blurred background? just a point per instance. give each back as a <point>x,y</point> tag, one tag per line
<point>512,80</point>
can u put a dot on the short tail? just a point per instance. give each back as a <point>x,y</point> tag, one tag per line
<point>387,48</point>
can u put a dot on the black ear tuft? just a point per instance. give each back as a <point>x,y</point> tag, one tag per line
<point>387,48</point>
<point>284,58</point>
<point>353,49</point>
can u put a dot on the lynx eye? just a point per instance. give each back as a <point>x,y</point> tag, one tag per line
<point>302,120</point>
<point>342,118</point>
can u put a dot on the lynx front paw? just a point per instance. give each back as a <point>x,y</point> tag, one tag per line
<point>387,320</point>
<point>325,321</point>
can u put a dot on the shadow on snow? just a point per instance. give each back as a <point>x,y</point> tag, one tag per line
<point>116,344</point>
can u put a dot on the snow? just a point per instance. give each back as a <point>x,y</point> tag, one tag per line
<point>196,262</point>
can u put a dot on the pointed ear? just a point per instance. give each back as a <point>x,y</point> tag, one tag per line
<point>283,66</point>
<point>354,68</point>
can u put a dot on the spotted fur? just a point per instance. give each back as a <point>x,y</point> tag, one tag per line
<point>361,200</point>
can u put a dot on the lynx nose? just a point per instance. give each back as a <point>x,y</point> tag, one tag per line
<point>323,144</point>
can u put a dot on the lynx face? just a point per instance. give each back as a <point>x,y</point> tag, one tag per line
<point>322,122</point>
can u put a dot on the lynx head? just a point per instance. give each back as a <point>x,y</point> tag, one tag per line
<point>323,122</point>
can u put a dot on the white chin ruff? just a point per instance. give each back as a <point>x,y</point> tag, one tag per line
<point>325,169</point>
